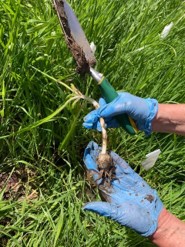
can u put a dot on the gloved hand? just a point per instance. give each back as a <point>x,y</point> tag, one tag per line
<point>130,200</point>
<point>142,111</point>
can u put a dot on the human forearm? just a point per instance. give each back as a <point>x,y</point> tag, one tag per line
<point>170,118</point>
<point>170,231</point>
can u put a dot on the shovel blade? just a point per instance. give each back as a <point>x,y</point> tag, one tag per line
<point>74,34</point>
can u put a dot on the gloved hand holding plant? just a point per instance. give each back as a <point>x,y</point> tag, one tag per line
<point>142,111</point>
<point>130,200</point>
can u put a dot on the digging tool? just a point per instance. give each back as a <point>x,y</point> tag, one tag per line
<point>85,59</point>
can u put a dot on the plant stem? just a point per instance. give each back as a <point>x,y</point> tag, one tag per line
<point>104,136</point>
<point>102,121</point>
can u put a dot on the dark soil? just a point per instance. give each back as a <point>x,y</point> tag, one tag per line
<point>14,185</point>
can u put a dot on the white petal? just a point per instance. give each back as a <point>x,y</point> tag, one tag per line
<point>150,160</point>
<point>93,47</point>
<point>166,30</point>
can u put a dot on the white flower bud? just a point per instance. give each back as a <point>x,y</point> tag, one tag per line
<point>166,30</point>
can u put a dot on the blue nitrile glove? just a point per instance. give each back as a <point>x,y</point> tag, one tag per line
<point>142,111</point>
<point>130,200</point>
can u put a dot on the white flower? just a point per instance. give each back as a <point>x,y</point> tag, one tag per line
<point>150,159</point>
<point>93,47</point>
<point>166,30</point>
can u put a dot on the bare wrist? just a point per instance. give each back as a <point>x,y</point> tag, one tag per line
<point>170,231</point>
<point>162,230</point>
<point>170,119</point>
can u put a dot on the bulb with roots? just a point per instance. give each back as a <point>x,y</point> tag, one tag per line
<point>104,161</point>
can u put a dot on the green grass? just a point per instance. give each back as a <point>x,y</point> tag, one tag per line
<point>42,135</point>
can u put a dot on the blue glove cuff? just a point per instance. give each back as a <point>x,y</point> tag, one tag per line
<point>153,109</point>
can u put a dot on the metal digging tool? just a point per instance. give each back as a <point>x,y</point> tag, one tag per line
<point>85,59</point>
